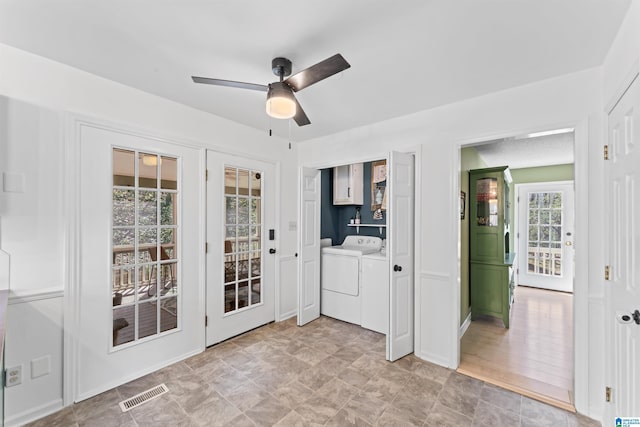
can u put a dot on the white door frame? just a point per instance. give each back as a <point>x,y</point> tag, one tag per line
<point>581,244</point>
<point>72,250</point>
<point>417,154</point>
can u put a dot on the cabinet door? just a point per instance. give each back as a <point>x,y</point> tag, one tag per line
<point>348,184</point>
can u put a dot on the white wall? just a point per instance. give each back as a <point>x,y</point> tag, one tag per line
<point>567,100</point>
<point>38,97</point>
<point>34,336</point>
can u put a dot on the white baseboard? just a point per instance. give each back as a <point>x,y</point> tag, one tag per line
<point>33,414</point>
<point>464,326</point>
<point>288,315</point>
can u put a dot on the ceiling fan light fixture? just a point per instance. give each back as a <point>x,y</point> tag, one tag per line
<point>280,101</point>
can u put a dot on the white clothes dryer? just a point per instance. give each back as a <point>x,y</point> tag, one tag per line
<point>341,273</point>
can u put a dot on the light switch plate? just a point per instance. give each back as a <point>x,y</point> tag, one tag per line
<point>13,182</point>
<point>40,366</point>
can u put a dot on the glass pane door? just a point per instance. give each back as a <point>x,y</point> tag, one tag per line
<point>243,239</point>
<point>144,285</point>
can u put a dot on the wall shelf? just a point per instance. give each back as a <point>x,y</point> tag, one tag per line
<point>357,226</point>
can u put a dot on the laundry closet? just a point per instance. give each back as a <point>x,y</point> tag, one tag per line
<point>354,265</point>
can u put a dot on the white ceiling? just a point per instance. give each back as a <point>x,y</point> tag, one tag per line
<point>524,152</point>
<point>406,56</point>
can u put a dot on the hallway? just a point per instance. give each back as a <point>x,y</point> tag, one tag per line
<point>534,356</point>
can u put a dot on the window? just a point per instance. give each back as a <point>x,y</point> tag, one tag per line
<point>243,243</point>
<point>145,272</point>
<point>544,240</point>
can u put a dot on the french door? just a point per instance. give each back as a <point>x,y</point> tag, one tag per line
<point>545,230</point>
<point>138,296</point>
<point>241,243</point>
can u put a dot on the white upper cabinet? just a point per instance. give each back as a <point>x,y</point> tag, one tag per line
<point>347,184</point>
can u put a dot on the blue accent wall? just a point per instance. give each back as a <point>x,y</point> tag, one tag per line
<point>334,219</point>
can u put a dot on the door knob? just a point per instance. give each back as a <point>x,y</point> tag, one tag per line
<point>397,268</point>
<point>626,318</point>
<point>272,251</point>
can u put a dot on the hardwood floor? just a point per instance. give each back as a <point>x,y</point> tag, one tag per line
<point>535,356</point>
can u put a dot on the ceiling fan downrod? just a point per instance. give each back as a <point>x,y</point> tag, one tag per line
<point>281,67</point>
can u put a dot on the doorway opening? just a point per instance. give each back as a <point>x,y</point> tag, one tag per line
<point>532,351</point>
<point>346,214</point>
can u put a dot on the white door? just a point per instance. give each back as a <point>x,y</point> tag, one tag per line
<point>309,238</point>
<point>545,235</point>
<point>401,247</point>
<point>241,251</point>
<point>138,298</point>
<point>623,288</point>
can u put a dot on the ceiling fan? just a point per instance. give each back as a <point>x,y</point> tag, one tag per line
<point>281,103</point>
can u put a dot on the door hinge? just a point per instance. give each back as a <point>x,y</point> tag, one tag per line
<point>607,272</point>
<point>206,174</point>
<point>607,394</point>
<point>206,248</point>
<point>606,152</point>
<point>206,321</point>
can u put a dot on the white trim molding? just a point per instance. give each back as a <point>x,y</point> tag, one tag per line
<point>34,295</point>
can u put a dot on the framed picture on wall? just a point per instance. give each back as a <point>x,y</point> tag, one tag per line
<point>463,202</point>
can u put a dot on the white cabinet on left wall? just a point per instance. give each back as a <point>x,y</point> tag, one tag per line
<point>347,184</point>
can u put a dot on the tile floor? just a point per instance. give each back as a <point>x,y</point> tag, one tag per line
<point>325,373</point>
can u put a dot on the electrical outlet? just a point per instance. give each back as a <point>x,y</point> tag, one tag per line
<point>14,376</point>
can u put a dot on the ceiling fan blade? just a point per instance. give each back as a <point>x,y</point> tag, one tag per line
<point>300,117</point>
<point>315,73</point>
<point>230,83</point>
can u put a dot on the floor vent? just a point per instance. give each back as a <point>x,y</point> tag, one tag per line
<point>144,397</point>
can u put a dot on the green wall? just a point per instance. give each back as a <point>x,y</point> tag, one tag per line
<point>469,160</point>
<point>543,174</point>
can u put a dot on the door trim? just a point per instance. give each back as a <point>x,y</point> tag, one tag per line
<point>71,134</point>
<point>582,301</point>
<point>416,151</point>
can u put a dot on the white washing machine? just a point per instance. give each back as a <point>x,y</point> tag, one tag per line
<point>341,296</point>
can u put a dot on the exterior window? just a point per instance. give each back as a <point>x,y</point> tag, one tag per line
<point>544,242</point>
<point>145,253</point>
<point>243,239</point>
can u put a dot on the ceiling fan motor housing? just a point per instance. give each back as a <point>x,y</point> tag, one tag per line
<point>281,67</point>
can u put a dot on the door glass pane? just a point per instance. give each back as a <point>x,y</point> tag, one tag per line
<point>544,253</point>
<point>147,208</point>
<point>124,207</point>
<point>243,182</point>
<point>168,173</point>
<point>229,297</point>
<point>148,170</point>
<point>230,180</point>
<point>123,324</point>
<point>487,202</point>
<point>124,164</point>
<point>148,319</point>
<point>168,314</point>
<point>243,294</point>
<point>242,246</point>
<point>256,291</point>
<point>167,208</point>
<point>143,268</point>
<point>168,279</point>
<point>243,210</point>
<point>124,284</point>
